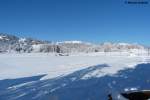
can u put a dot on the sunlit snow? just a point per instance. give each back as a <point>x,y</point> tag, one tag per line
<point>32,64</point>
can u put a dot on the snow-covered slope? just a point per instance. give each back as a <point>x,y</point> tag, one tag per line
<point>11,43</point>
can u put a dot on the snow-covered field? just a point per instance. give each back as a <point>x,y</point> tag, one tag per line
<point>31,64</point>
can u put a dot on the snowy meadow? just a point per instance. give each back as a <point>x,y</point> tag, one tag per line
<point>39,76</point>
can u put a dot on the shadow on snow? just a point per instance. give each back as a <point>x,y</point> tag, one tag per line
<point>72,87</point>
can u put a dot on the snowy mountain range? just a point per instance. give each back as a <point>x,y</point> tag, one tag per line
<point>11,43</point>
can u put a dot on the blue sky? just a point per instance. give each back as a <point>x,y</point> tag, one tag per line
<point>85,20</point>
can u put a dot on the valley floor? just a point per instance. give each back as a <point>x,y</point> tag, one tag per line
<point>32,64</point>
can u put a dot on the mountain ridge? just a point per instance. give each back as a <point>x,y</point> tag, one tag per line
<point>12,43</point>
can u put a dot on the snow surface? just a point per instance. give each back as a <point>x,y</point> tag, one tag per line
<point>32,64</point>
<point>1,37</point>
<point>76,42</point>
<point>22,39</point>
